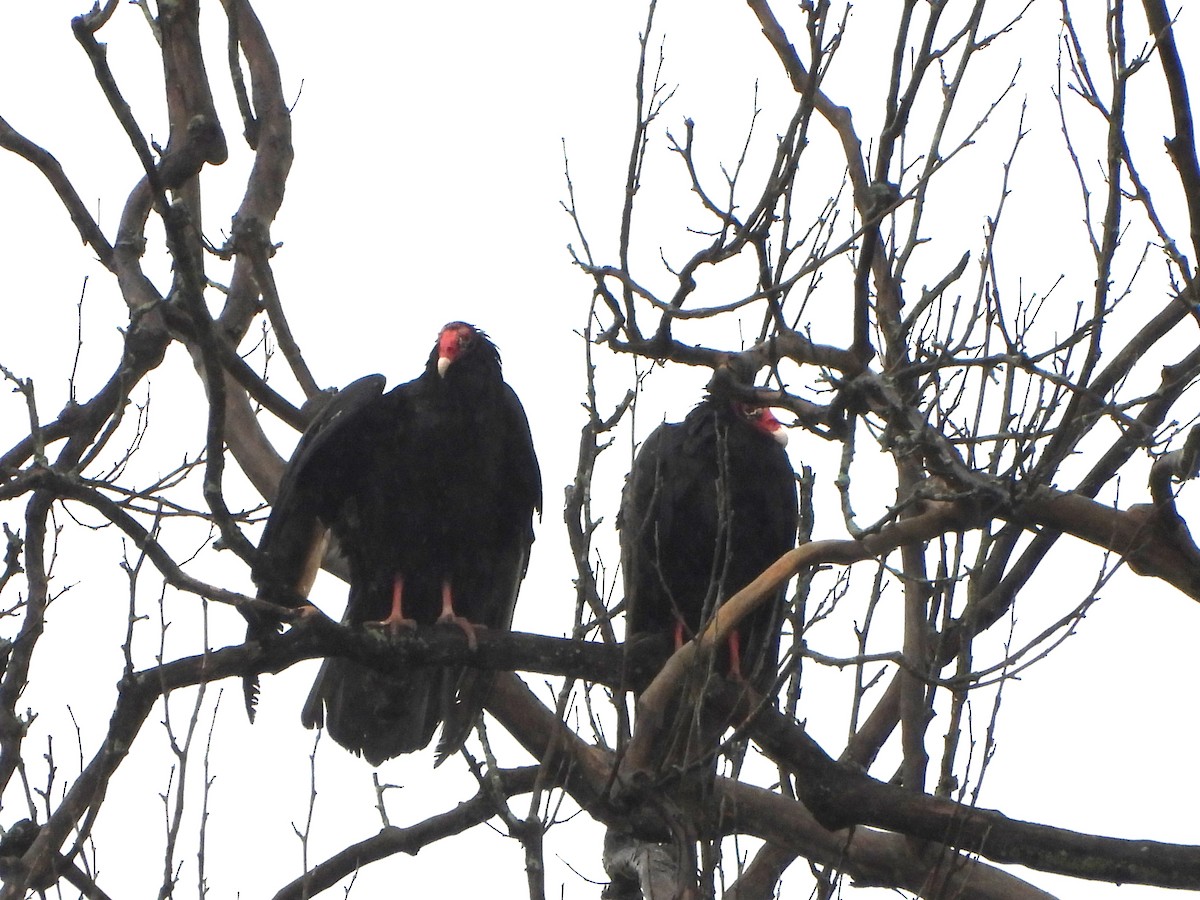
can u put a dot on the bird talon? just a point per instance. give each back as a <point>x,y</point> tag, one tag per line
<point>468,627</point>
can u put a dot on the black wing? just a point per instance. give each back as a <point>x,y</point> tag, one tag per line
<point>763,509</point>
<point>317,479</point>
<point>671,529</point>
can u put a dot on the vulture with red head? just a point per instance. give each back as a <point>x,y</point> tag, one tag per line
<point>710,504</point>
<point>430,491</point>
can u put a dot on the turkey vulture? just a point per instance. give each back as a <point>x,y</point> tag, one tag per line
<point>429,490</point>
<point>710,503</point>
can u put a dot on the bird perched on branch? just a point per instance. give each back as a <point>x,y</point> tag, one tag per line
<point>430,491</point>
<point>710,504</point>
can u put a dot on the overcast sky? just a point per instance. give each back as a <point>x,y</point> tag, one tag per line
<point>428,176</point>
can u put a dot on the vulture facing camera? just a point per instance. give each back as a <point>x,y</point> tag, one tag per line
<point>430,490</point>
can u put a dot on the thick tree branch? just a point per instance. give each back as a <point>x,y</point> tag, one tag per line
<point>840,796</point>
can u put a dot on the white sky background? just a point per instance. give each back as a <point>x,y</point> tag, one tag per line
<point>426,186</point>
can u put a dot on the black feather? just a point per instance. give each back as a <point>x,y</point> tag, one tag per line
<point>317,477</point>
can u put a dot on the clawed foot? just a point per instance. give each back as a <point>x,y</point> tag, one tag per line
<point>396,619</point>
<point>468,627</point>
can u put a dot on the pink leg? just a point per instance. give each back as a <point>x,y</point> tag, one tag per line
<point>449,616</point>
<point>735,657</point>
<point>679,638</point>
<point>395,620</point>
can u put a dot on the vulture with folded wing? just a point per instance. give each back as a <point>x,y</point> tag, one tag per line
<point>430,491</point>
<point>710,503</point>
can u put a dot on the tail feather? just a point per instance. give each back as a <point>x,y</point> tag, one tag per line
<point>250,691</point>
<point>371,714</point>
<point>467,691</point>
<point>313,713</point>
<point>258,629</point>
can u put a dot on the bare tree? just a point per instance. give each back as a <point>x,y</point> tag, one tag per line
<point>982,400</point>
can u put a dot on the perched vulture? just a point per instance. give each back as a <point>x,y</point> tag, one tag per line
<point>430,491</point>
<point>710,503</point>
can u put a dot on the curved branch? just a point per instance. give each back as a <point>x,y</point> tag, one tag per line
<point>392,840</point>
<point>50,167</point>
<point>841,796</point>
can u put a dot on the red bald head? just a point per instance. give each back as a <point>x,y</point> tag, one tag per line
<point>761,418</point>
<point>454,340</point>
